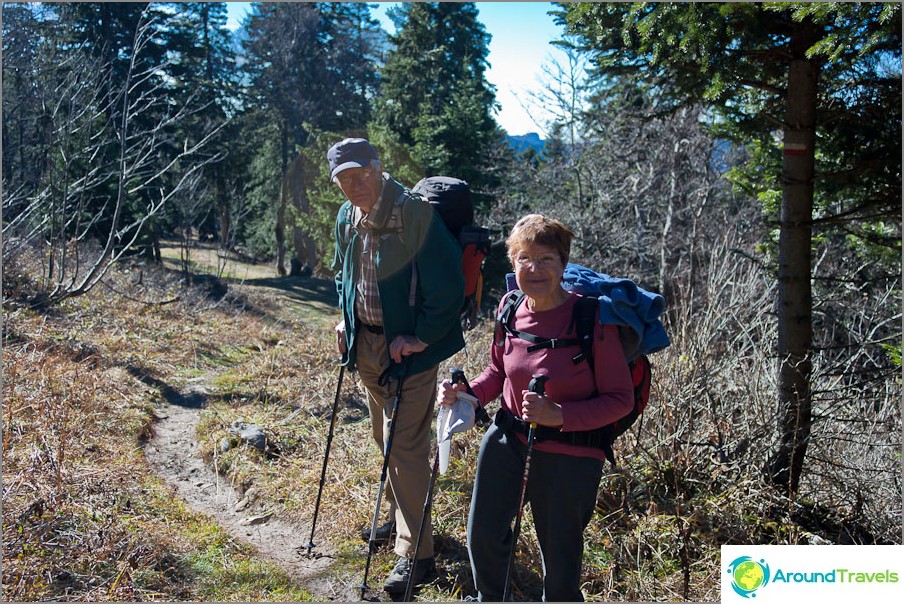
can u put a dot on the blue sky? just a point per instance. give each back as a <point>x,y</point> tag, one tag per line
<point>521,33</point>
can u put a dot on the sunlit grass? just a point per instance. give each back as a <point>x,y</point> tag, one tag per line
<point>207,259</point>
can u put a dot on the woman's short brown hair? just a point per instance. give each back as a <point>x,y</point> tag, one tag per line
<point>536,229</point>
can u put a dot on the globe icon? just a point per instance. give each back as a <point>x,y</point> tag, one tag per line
<point>748,575</point>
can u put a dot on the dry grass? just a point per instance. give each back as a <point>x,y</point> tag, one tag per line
<point>85,519</point>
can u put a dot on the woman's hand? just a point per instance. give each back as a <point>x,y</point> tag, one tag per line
<point>538,409</point>
<point>447,392</point>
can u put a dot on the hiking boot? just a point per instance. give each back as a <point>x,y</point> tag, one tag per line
<point>383,535</point>
<point>397,582</point>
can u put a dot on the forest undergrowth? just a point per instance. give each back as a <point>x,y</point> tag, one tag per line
<point>85,518</point>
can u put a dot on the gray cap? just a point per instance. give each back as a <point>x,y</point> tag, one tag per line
<point>350,153</point>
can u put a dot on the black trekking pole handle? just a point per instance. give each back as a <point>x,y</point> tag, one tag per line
<point>371,543</point>
<point>458,377</point>
<point>326,457</point>
<point>537,384</point>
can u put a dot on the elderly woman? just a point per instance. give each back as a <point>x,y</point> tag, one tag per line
<point>564,476</point>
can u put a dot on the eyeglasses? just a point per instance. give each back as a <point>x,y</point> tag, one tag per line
<point>544,261</point>
<point>349,177</point>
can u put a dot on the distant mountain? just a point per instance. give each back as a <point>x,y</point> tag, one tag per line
<point>522,142</point>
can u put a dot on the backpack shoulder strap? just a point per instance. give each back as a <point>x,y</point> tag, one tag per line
<point>390,220</point>
<point>506,316</point>
<point>586,315</point>
<point>396,224</point>
<point>505,325</point>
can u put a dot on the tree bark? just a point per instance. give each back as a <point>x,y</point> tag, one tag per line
<point>795,328</point>
<point>281,205</point>
<point>304,249</point>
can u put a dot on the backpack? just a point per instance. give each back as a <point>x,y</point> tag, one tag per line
<point>586,315</point>
<point>451,199</point>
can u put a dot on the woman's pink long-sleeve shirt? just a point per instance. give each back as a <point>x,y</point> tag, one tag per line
<point>589,400</point>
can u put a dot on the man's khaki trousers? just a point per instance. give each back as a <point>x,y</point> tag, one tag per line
<point>408,472</point>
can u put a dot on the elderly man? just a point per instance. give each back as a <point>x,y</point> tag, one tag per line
<point>400,290</point>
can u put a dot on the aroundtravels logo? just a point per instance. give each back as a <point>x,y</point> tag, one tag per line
<point>802,573</point>
<point>748,575</point>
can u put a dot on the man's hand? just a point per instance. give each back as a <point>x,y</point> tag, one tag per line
<point>404,345</point>
<point>340,338</point>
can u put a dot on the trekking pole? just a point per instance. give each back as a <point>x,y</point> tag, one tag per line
<point>458,377</point>
<point>326,457</point>
<point>371,543</point>
<point>428,505</point>
<point>536,385</point>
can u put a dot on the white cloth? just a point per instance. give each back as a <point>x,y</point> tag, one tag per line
<point>452,419</point>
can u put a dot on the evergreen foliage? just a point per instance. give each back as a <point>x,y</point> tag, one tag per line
<point>815,73</point>
<point>434,94</point>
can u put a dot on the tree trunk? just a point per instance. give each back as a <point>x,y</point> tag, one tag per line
<point>223,207</point>
<point>281,206</point>
<point>664,281</point>
<point>795,328</point>
<point>304,251</point>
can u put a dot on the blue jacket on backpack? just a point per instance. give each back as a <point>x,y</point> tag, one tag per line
<point>622,302</point>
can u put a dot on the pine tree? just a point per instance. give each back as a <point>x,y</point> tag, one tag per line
<point>808,70</point>
<point>434,94</point>
<point>26,80</point>
<point>311,68</point>
<point>354,43</point>
<point>202,69</point>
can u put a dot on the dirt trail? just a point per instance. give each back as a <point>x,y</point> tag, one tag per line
<point>174,455</point>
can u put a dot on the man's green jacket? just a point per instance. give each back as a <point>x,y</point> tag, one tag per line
<point>431,310</point>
